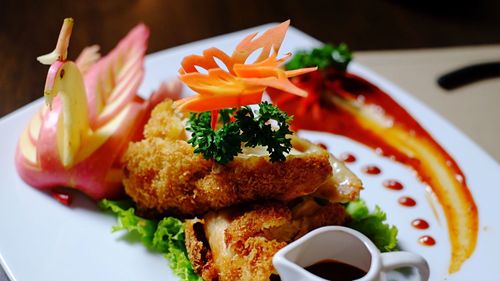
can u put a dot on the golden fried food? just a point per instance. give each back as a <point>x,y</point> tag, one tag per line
<point>239,243</point>
<point>236,237</point>
<point>164,176</point>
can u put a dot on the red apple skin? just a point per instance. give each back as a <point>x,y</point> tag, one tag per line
<point>90,174</point>
<point>133,48</point>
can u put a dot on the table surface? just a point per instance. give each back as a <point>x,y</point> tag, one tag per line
<point>474,108</point>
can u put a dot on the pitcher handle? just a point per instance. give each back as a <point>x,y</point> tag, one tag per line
<point>393,260</point>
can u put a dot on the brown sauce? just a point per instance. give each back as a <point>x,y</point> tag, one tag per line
<point>420,224</point>
<point>427,240</point>
<point>371,170</point>
<point>407,201</point>
<point>393,184</point>
<point>335,270</point>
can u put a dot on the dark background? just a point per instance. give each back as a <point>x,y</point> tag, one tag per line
<point>29,29</point>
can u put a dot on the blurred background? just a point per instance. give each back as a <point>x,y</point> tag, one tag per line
<point>30,28</point>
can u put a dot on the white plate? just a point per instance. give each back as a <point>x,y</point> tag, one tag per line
<point>41,239</point>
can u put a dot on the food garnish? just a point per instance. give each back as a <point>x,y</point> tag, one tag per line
<point>165,236</point>
<point>237,83</point>
<point>233,83</point>
<point>93,112</point>
<point>250,128</point>
<point>343,103</point>
<point>372,225</point>
<point>329,55</point>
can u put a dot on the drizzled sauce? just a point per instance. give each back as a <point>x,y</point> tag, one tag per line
<point>427,240</point>
<point>393,184</point>
<point>322,145</point>
<point>371,170</point>
<point>335,270</point>
<point>407,201</point>
<point>420,224</point>
<point>347,157</point>
<point>345,104</point>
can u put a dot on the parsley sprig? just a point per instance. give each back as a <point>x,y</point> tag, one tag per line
<point>337,56</point>
<point>248,128</point>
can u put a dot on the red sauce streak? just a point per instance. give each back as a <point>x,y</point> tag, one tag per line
<point>420,224</point>
<point>393,184</point>
<point>427,240</point>
<point>407,201</point>
<point>322,145</point>
<point>347,157</point>
<point>334,104</point>
<point>316,113</point>
<point>371,170</point>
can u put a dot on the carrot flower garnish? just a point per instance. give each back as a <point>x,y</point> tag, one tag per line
<point>240,83</point>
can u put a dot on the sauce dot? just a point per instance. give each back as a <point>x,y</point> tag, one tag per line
<point>322,145</point>
<point>407,201</point>
<point>62,196</point>
<point>427,240</point>
<point>371,170</point>
<point>420,224</point>
<point>393,184</point>
<point>347,157</point>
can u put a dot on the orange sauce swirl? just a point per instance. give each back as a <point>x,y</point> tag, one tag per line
<point>345,104</point>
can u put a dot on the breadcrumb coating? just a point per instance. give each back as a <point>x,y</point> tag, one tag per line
<point>249,208</point>
<point>164,176</point>
<point>241,241</point>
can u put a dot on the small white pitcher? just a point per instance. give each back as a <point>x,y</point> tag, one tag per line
<point>344,245</point>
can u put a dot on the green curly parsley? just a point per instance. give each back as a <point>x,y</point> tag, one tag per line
<point>337,56</point>
<point>220,145</point>
<point>248,128</point>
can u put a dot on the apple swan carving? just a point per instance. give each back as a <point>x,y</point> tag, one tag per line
<point>92,113</point>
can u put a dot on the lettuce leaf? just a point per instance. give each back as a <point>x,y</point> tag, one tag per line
<point>165,236</point>
<point>372,225</point>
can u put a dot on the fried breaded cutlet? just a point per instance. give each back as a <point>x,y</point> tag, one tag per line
<point>239,243</point>
<point>164,176</point>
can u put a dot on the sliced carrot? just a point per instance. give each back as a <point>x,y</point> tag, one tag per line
<point>242,83</point>
<point>197,104</point>
<point>206,61</point>
<point>300,71</point>
<point>272,38</point>
<point>213,121</point>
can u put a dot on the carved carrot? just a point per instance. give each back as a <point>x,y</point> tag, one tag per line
<point>242,83</point>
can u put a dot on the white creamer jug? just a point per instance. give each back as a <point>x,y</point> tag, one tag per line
<point>344,245</point>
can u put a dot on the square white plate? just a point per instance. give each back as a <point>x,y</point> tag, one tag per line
<point>41,239</point>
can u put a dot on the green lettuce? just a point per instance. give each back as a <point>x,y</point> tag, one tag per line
<point>372,225</point>
<point>165,236</point>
